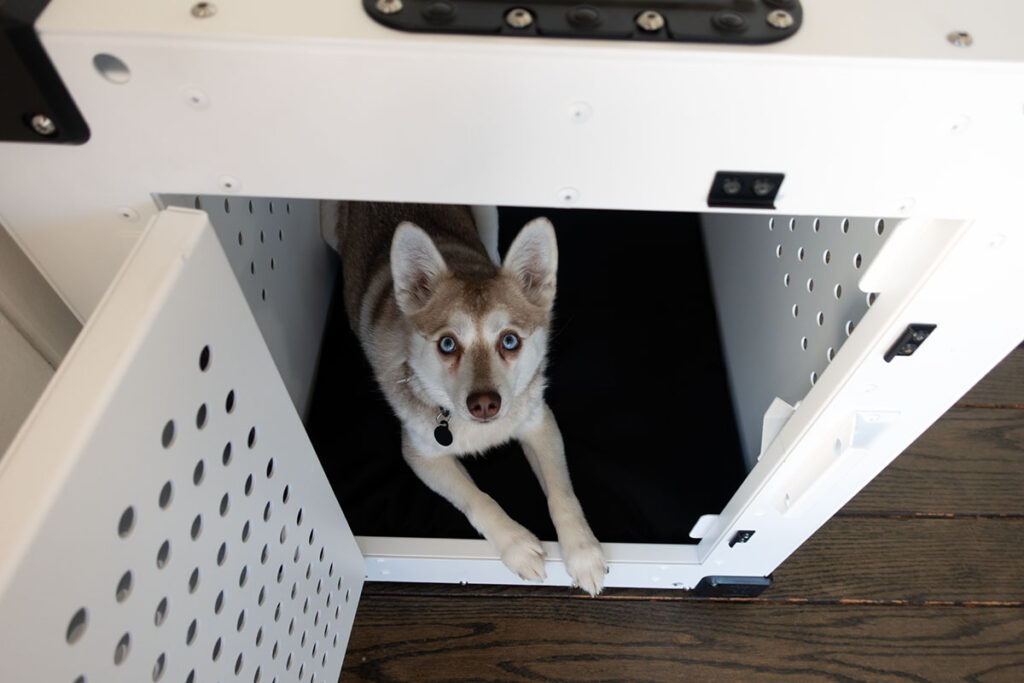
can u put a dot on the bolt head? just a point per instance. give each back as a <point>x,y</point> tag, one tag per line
<point>650,21</point>
<point>203,10</point>
<point>779,19</point>
<point>732,186</point>
<point>389,6</point>
<point>518,17</point>
<point>960,38</point>
<point>43,124</point>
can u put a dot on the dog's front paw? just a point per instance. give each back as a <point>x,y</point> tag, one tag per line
<point>522,553</point>
<point>584,562</point>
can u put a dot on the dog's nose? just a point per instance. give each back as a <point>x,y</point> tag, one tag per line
<point>483,405</point>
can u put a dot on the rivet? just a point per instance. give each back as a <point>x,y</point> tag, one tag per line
<point>568,195</point>
<point>960,38</point>
<point>518,17</point>
<point>228,183</point>
<point>203,10</point>
<point>779,19</point>
<point>389,6</point>
<point>650,21</point>
<point>43,124</point>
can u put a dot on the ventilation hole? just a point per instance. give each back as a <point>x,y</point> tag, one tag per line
<point>311,536</point>
<point>167,437</point>
<point>262,597</point>
<point>158,667</point>
<point>238,664</point>
<point>124,587</point>
<point>256,676</point>
<point>287,208</point>
<point>273,652</point>
<point>284,534</point>
<point>265,555</point>
<point>248,485</point>
<point>197,473</point>
<point>270,206</point>
<point>201,417</point>
<point>273,264</point>
<point>243,577</point>
<point>166,493</point>
<point>814,378</point>
<point>313,650</point>
<point>196,203</point>
<point>225,457</point>
<point>827,257</point>
<point>771,224</point>
<point>127,521</point>
<point>347,592</point>
<point>816,226</point>
<point>263,294</point>
<point>245,531</point>
<point>163,554</point>
<point>222,554</point>
<point>857,260</point>
<point>252,437</point>
<point>112,69</point>
<point>270,468</point>
<point>250,206</point>
<point>193,580</point>
<point>810,284</point>
<point>262,239</point>
<point>280,236</point>
<point>240,623</point>
<point>123,647</point>
<point>330,596</point>
<point>322,551</point>
<point>227,206</point>
<point>240,241</point>
<point>266,512</point>
<point>830,354</point>
<point>190,636</point>
<point>288,662</point>
<point>259,637</point>
<point>800,254</point>
<point>848,328</point>
<point>879,227</point>
<point>216,650</point>
<point>291,626</point>
<point>218,604</point>
<point>778,251</point>
<point>330,570</point>
<point>225,504</point>
<point>197,527</point>
<point>161,612</point>
<point>295,558</point>
<point>191,676</point>
<point>252,267</point>
<point>844,227</point>
<point>872,298</point>
<point>277,614</point>
<point>309,571</point>
<point>295,590</point>
<point>785,280</point>
<point>796,310</point>
<point>301,668</point>
<point>334,643</point>
<point>837,291</point>
<point>285,494</point>
<point>803,343</point>
<point>298,518</point>
<point>792,224</point>
<point>229,402</point>
<point>76,627</point>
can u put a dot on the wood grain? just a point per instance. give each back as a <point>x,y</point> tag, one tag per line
<point>1003,387</point>
<point>970,462</point>
<point>415,638</point>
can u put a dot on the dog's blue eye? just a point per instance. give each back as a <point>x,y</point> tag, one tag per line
<point>510,341</point>
<point>447,345</point>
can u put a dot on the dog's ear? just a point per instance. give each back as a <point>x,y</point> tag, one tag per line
<point>416,264</point>
<point>533,261</point>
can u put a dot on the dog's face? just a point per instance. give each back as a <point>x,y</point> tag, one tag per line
<point>476,344</point>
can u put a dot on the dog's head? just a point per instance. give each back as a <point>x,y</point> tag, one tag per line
<point>476,343</point>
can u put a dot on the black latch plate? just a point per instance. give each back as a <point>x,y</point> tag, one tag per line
<point>732,586</point>
<point>29,84</point>
<point>909,341</point>
<point>697,21</point>
<point>745,189</point>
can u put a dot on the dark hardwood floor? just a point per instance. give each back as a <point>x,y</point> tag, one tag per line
<point>918,578</point>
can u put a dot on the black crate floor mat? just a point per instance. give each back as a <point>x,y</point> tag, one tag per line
<point>637,384</point>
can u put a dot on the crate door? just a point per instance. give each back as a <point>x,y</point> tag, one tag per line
<point>163,516</point>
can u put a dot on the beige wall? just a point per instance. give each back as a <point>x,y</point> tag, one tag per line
<point>36,330</point>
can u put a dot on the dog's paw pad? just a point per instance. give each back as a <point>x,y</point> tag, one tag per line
<point>586,566</point>
<point>524,555</point>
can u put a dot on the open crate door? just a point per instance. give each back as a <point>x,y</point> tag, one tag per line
<point>164,514</point>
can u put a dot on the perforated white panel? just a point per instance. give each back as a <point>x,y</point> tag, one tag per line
<point>787,298</point>
<point>164,515</point>
<point>285,270</point>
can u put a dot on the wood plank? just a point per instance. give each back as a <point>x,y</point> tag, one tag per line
<point>970,462</point>
<point>1003,387</point>
<point>405,638</point>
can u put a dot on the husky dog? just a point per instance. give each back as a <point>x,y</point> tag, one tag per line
<point>459,347</point>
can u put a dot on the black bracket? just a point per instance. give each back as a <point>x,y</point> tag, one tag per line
<point>909,341</point>
<point>34,105</point>
<point>745,190</point>
<point>732,586</point>
<point>704,21</point>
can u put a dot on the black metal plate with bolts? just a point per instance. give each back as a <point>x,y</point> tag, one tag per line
<point>732,586</point>
<point>909,341</point>
<point>745,190</point>
<point>34,104</point>
<point>745,22</point>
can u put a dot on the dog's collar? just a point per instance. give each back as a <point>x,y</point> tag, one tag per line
<point>442,434</point>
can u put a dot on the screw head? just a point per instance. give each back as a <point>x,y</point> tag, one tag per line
<point>518,17</point>
<point>43,124</point>
<point>389,6</point>
<point>960,38</point>
<point>779,19</point>
<point>650,21</point>
<point>732,186</point>
<point>203,10</point>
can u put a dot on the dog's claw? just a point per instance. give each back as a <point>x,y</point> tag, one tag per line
<point>584,562</point>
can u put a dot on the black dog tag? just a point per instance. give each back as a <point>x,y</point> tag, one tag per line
<point>443,435</point>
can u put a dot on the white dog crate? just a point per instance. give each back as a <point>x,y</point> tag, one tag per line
<point>165,515</point>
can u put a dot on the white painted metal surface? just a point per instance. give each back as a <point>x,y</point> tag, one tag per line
<point>165,517</point>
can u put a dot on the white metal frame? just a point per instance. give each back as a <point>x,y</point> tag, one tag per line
<point>869,110</point>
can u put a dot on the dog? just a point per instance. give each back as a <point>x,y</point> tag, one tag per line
<point>458,345</point>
